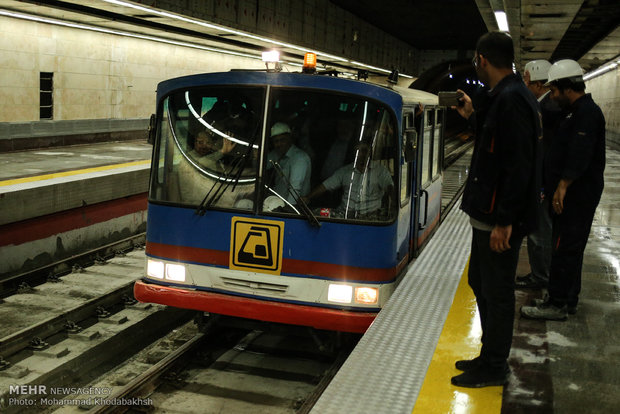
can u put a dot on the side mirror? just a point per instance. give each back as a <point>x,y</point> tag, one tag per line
<point>411,144</point>
<point>151,130</point>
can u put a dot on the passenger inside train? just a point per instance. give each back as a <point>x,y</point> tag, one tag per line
<point>364,185</point>
<point>212,137</point>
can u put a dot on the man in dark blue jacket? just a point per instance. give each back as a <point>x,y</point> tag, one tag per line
<point>575,176</point>
<point>500,198</point>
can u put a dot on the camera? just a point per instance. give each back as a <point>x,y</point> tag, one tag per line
<point>450,98</point>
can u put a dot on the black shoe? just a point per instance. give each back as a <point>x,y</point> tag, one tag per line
<point>467,364</point>
<point>482,376</point>
<point>570,309</point>
<point>546,311</point>
<point>529,281</point>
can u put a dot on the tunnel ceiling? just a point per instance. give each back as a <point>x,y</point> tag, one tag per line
<point>424,24</point>
<point>587,31</point>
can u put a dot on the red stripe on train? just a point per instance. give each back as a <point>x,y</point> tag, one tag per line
<point>41,227</point>
<point>317,317</point>
<point>294,266</point>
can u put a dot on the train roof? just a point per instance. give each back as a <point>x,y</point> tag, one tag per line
<point>395,96</point>
<point>417,96</point>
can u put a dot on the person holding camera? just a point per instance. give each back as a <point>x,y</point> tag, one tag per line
<point>500,198</point>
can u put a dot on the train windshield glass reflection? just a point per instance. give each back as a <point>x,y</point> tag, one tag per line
<point>210,151</point>
<point>208,147</point>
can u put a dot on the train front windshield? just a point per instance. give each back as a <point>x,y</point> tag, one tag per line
<point>340,149</point>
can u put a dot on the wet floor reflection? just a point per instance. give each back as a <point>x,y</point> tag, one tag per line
<point>571,367</point>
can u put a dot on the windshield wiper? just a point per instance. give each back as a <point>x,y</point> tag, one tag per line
<point>300,201</point>
<point>222,185</point>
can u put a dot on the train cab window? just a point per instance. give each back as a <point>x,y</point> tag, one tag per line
<point>211,152</point>
<point>330,156</point>
<point>208,147</point>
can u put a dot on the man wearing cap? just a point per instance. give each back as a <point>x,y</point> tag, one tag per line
<point>539,241</point>
<point>575,176</point>
<point>293,162</point>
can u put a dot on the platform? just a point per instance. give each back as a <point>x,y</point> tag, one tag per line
<point>45,181</point>
<point>404,362</point>
<point>58,202</point>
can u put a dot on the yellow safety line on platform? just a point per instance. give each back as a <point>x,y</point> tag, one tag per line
<point>460,339</point>
<point>72,172</point>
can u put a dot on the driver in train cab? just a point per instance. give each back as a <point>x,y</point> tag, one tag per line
<point>210,147</point>
<point>292,166</point>
<point>365,183</point>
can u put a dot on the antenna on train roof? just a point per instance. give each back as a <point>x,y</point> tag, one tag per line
<point>393,78</point>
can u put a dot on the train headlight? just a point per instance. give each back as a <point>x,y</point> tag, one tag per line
<point>366,295</point>
<point>155,268</point>
<point>175,272</point>
<point>340,293</point>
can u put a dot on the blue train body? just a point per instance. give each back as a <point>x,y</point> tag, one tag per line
<point>289,198</point>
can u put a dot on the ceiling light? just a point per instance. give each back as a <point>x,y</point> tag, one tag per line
<point>502,21</point>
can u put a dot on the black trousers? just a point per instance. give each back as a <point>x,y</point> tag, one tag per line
<point>492,278</point>
<point>571,230</point>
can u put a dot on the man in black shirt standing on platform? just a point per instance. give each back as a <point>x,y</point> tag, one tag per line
<point>501,199</point>
<point>575,177</point>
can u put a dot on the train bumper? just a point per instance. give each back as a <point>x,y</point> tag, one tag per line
<point>288,313</point>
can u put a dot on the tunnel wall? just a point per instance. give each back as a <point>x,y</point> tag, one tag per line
<point>605,90</point>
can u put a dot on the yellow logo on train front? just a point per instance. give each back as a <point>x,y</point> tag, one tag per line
<point>256,245</point>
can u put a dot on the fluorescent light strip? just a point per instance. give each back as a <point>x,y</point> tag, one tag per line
<point>122,33</point>
<point>175,42</point>
<point>236,32</point>
<point>603,69</point>
<point>370,67</point>
<point>222,28</point>
<point>212,129</point>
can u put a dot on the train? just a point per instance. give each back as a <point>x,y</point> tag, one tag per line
<point>289,198</point>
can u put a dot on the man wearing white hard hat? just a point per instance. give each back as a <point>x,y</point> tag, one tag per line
<point>539,241</point>
<point>293,165</point>
<point>575,177</point>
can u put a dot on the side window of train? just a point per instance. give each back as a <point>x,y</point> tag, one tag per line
<point>436,164</point>
<point>409,128</point>
<point>427,147</point>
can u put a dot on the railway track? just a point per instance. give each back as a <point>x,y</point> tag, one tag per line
<point>63,332</point>
<point>73,338</point>
<point>80,341</point>
<point>219,370</point>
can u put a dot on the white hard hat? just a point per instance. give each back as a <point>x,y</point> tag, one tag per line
<point>538,69</point>
<point>565,69</point>
<point>280,128</point>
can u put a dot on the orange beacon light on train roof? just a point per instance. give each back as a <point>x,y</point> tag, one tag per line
<point>309,62</point>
